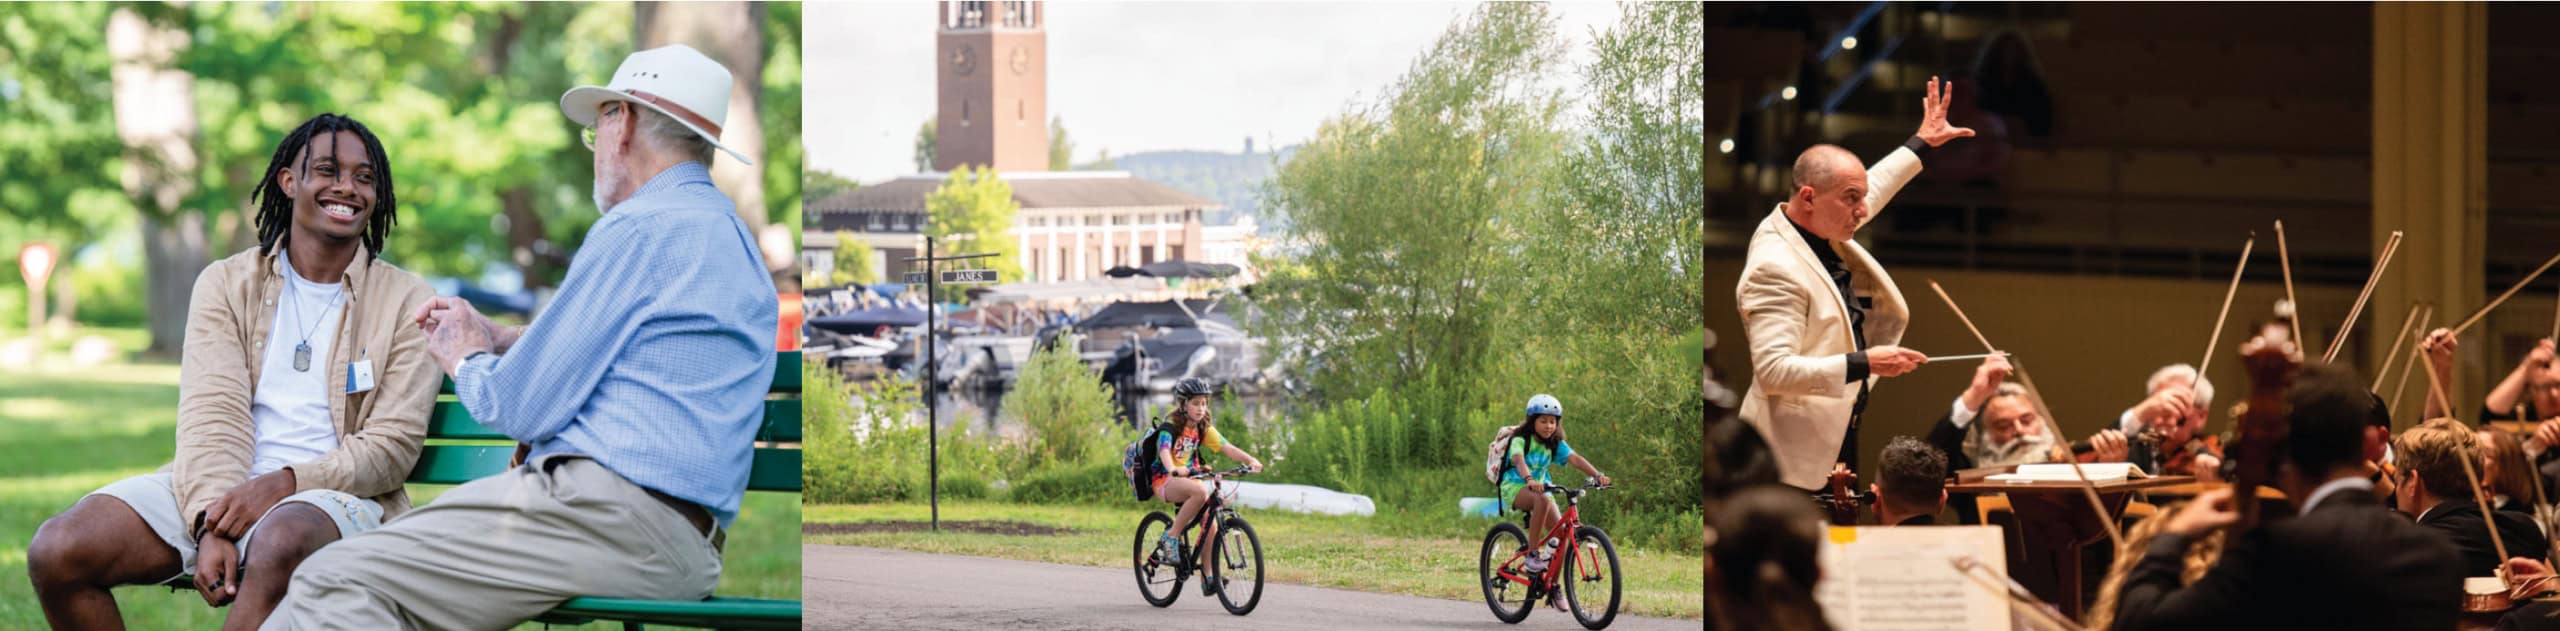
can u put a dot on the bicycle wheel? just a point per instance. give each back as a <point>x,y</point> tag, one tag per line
<point>1593,566</point>
<point>1502,547</point>
<point>1236,567</point>
<point>1159,578</point>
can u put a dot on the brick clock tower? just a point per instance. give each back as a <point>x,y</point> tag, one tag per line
<point>991,67</point>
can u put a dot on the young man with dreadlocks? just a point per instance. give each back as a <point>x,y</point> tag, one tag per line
<point>302,399</point>
<point>639,390</point>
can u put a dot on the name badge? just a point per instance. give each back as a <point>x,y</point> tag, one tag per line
<point>360,376</point>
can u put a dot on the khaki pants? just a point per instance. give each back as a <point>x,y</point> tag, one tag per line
<point>501,550</point>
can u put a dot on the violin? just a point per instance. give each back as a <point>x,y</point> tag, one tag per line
<point>1841,498</point>
<point>2263,427</point>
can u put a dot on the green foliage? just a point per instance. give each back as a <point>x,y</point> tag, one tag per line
<point>971,213</point>
<point>853,261</point>
<point>1456,218</point>
<point>106,294</point>
<point>866,443</point>
<point>1067,408</point>
<point>1091,483</point>
<point>823,184</point>
<point>1061,150</point>
<point>925,147</point>
<point>1409,206</point>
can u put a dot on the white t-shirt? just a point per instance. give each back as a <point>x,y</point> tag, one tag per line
<point>291,407</point>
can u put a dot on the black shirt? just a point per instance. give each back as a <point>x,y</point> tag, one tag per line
<point>1840,279</point>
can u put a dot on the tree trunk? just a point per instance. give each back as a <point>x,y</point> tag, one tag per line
<point>156,119</point>
<point>732,33</point>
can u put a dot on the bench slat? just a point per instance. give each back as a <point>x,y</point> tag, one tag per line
<point>775,468</point>
<point>456,464</point>
<point>722,613</point>
<point>451,420</point>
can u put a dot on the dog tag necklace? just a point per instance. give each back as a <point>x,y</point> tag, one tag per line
<point>302,349</point>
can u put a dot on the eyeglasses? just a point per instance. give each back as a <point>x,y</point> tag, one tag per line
<point>588,135</point>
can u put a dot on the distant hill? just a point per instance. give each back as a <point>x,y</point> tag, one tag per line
<point>1234,180</point>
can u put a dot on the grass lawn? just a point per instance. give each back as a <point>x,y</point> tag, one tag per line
<point>1368,554</point>
<point>69,432</point>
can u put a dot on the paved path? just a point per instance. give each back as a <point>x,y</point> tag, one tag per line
<point>870,588</point>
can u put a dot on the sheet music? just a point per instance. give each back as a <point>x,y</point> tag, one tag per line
<point>1899,579</point>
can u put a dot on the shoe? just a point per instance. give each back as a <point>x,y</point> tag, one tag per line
<point>1211,584</point>
<point>1555,599</point>
<point>1169,549</point>
<point>1537,564</point>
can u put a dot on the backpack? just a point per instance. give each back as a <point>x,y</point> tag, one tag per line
<point>1497,455</point>
<point>1138,462</point>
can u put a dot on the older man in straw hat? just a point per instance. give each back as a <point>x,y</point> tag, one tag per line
<point>637,394</point>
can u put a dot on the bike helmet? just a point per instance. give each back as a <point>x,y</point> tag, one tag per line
<point>1545,404</point>
<point>1192,387</point>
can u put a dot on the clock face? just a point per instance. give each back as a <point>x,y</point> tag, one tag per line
<point>1021,60</point>
<point>964,60</point>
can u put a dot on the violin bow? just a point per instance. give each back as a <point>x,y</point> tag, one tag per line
<point>2379,265</point>
<point>2035,398</point>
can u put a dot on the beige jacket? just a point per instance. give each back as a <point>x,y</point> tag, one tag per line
<point>1801,396</point>
<point>379,432</point>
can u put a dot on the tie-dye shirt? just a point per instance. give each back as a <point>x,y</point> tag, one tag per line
<point>1188,443</point>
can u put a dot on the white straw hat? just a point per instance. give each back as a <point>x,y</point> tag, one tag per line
<point>673,80</point>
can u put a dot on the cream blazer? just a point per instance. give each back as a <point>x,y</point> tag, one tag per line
<point>1801,397</point>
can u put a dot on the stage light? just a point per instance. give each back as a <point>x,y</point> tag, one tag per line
<point>1725,147</point>
<point>1789,93</point>
<point>1848,43</point>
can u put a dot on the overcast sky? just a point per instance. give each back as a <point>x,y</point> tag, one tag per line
<point>1131,77</point>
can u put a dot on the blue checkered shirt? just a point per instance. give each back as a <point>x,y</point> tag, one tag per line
<point>655,355</point>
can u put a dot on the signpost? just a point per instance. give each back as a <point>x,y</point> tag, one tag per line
<point>932,361</point>
<point>35,263</point>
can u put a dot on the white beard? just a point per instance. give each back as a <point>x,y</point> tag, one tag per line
<point>612,173</point>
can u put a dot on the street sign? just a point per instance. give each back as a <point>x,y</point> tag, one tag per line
<point>915,278</point>
<point>969,276</point>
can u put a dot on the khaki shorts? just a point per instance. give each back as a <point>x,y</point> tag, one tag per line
<point>151,496</point>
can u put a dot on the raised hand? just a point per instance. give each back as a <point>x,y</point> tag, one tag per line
<point>1986,381</point>
<point>1933,115</point>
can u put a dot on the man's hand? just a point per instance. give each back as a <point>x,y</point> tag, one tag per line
<point>2108,445</point>
<point>1893,361</point>
<point>2206,467</point>
<point>2210,511</point>
<point>217,571</point>
<point>2166,408</point>
<point>455,331</point>
<point>1986,381</point>
<point>2547,433</point>
<point>1933,115</point>
<point>2439,347</point>
<point>2526,577</point>
<point>236,510</point>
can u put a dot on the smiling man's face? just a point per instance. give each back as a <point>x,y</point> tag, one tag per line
<point>331,184</point>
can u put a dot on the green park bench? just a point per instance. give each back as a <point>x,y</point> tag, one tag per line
<point>459,449</point>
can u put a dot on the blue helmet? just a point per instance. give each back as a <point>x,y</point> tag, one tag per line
<point>1545,404</point>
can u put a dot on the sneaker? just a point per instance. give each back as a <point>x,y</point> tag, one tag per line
<point>1537,563</point>
<point>1210,585</point>
<point>1556,599</point>
<point>1169,549</point>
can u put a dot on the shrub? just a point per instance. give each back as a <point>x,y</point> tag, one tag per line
<point>1068,410</point>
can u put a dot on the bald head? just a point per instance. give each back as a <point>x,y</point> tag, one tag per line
<point>1830,197</point>
<point>1821,166</point>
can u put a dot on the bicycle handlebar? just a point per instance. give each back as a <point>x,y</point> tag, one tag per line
<point>1238,471</point>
